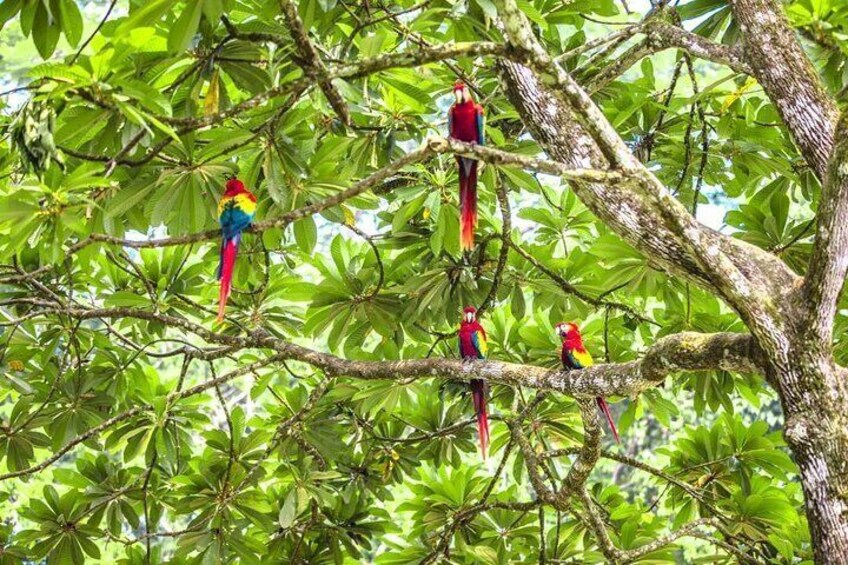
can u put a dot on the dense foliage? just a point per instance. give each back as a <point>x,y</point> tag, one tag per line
<point>133,429</point>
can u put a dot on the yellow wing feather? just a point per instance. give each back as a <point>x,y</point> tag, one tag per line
<point>583,357</point>
<point>482,345</point>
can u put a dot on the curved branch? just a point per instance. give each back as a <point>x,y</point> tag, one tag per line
<point>596,523</point>
<point>666,35</point>
<point>312,64</point>
<point>788,78</point>
<point>381,269</point>
<point>685,530</point>
<point>685,351</point>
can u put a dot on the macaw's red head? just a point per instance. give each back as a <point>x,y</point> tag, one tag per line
<point>568,330</point>
<point>233,187</point>
<point>470,314</point>
<point>460,91</point>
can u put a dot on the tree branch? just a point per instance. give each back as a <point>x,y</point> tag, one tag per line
<point>312,64</point>
<point>686,351</point>
<point>780,65</point>
<point>829,261</point>
<point>572,129</point>
<point>432,146</point>
<point>666,35</point>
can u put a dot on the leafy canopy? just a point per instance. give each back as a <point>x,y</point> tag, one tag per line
<point>132,138</point>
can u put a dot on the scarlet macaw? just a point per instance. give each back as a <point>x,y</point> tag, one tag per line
<point>575,356</point>
<point>235,212</point>
<point>472,345</point>
<point>465,123</point>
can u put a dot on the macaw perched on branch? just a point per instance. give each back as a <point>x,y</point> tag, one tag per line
<point>235,212</point>
<point>465,123</point>
<point>472,345</point>
<point>575,356</point>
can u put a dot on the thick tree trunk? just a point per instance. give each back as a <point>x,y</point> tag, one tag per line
<point>813,392</point>
<point>816,431</point>
<point>823,477</point>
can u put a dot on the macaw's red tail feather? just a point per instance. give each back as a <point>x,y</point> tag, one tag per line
<point>229,250</point>
<point>478,393</point>
<point>467,202</point>
<point>602,404</point>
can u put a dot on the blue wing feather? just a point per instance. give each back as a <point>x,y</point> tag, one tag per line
<point>233,221</point>
<point>481,134</point>
<point>573,362</point>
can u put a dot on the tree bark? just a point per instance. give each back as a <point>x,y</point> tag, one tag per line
<point>829,261</point>
<point>816,430</point>
<point>788,77</point>
<point>812,387</point>
<point>780,312</point>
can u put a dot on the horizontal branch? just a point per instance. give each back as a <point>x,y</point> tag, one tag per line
<point>358,69</point>
<point>686,351</point>
<point>296,88</point>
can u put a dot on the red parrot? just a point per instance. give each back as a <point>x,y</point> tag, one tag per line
<point>472,345</point>
<point>465,123</point>
<point>235,212</point>
<point>575,356</point>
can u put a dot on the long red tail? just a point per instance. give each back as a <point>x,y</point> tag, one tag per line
<point>229,250</point>
<point>467,202</point>
<point>478,393</point>
<point>602,404</point>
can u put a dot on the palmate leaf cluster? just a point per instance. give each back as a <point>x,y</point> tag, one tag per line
<point>370,471</point>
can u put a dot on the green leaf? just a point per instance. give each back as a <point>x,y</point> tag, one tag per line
<point>71,21</point>
<point>45,31</point>
<point>275,180</point>
<point>126,298</point>
<point>306,234</point>
<point>289,510</point>
<point>184,29</point>
<point>8,10</point>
